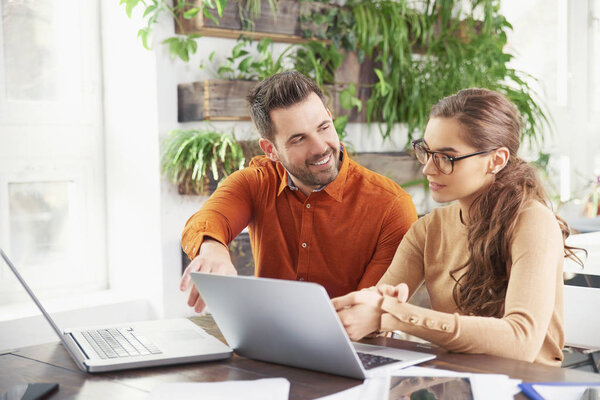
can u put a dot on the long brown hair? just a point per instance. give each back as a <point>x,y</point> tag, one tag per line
<point>490,121</point>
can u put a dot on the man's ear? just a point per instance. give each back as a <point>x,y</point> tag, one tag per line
<point>269,148</point>
<point>499,160</point>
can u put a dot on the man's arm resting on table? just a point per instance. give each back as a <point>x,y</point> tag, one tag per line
<point>213,258</point>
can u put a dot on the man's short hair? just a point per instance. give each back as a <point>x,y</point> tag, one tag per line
<point>281,90</point>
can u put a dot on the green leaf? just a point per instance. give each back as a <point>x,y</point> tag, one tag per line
<point>237,50</point>
<point>348,99</point>
<point>182,52</point>
<point>263,44</point>
<point>192,46</point>
<point>170,40</point>
<point>174,46</point>
<point>129,6</point>
<point>245,64</point>
<point>149,9</point>
<point>209,16</point>
<point>340,124</point>
<point>223,70</point>
<point>191,13</point>
<point>221,4</point>
<point>143,35</point>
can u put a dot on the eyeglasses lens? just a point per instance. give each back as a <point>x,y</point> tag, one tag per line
<point>420,153</point>
<point>443,163</point>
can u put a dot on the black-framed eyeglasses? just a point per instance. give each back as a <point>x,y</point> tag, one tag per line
<point>442,161</point>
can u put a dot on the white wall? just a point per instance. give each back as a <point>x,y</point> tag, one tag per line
<point>132,159</point>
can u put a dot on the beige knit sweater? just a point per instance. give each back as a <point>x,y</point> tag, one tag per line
<point>532,326</point>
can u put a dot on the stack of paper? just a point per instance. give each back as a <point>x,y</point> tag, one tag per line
<point>260,389</point>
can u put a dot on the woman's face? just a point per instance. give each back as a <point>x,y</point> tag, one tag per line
<point>470,175</point>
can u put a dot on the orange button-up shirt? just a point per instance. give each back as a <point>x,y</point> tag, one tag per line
<point>342,237</point>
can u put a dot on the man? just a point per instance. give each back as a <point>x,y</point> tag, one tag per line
<point>313,213</point>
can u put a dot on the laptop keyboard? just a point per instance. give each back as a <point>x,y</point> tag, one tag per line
<point>119,342</point>
<point>372,361</point>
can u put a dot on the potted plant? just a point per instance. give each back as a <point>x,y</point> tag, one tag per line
<point>197,159</point>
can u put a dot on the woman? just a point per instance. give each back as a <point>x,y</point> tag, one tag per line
<point>492,261</point>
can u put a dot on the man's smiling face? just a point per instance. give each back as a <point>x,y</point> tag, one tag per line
<point>305,143</point>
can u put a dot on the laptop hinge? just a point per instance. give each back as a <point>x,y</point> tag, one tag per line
<point>71,344</point>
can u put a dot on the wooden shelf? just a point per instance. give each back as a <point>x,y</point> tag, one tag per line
<point>285,27</point>
<point>213,100</point>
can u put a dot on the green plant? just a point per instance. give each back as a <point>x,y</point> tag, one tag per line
<point>338,21</point>
<point>314,59</point>
<point>348,100</point>
<point>317,60</point>
<point>428,50</point>
<point>180,45</point>
<point>190,157</point>
<point>422,51</point>
<point>251,10</point>
<point>243,65</point>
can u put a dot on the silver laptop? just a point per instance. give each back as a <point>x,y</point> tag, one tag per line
<point>292,323</point>
<point>135,345</point>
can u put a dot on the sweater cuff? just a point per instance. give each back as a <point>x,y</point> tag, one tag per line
<point>412,319</point>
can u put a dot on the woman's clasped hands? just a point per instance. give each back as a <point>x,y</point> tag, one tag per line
<point>360,311</point>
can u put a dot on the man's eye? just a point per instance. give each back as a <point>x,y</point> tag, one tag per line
<point>297,139</point>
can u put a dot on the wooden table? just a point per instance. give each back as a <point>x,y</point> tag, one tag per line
<point>51,363</point>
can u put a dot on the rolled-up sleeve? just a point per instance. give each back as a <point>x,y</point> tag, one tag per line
<point>224,215</point>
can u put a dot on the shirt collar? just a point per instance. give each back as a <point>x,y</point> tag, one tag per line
<point>335,188</point>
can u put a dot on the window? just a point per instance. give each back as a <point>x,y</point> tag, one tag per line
<point>52,207</point>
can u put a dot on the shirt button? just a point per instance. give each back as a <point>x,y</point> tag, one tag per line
<point>430,323</point>
<point>444,327</point>
<point>413,319</point>
<point>308,206</point>
<point>304,245</point>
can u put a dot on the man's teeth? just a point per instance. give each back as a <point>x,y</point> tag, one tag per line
<point>322,162</point>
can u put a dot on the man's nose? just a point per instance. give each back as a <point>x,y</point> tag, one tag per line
<point>320,145</point>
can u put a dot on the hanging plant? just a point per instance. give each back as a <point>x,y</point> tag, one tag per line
<point>429,50</point>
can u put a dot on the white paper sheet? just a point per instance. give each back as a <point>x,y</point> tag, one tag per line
<point>371,389</point>
<point>260,389</point>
